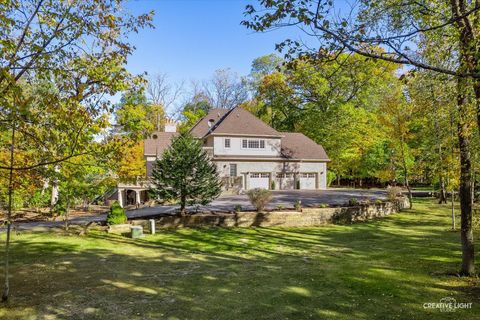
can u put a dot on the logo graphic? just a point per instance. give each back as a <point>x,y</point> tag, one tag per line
<point>447,304</point>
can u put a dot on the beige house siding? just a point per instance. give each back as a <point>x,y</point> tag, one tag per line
<point>244,168</point>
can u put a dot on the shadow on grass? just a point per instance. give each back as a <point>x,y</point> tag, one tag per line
<point>380,269</point>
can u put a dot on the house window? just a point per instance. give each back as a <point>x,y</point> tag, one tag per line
<point>308,175</point>
<point>233,170</point>
<point>227,143</point>
<point>284,175</point>
<point>259,175</point>
<point>253,144</point>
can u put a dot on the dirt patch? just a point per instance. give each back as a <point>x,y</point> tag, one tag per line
<point>43,214</point>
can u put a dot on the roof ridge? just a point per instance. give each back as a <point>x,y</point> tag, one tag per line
<point>215,126</point>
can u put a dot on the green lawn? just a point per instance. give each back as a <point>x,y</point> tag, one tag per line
<point>384,269</point>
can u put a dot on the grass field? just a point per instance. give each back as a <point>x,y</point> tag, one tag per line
<point>383,269</point>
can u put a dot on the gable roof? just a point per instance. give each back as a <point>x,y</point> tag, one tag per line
<point>236,121</point>
<point>156,146</point>
<point>201,128</point>
<point>298,146</point>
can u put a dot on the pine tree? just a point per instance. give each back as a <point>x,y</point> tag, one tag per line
<point>184,173</point>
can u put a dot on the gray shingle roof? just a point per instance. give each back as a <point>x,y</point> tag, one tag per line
<point>155,146</point>
<point>236,121</point>
<point>298,146</point>
<point>201,128</point>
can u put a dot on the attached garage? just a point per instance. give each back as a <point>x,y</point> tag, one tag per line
<point>285,181</point>
<point>308,181</point>
<point>259,180</point>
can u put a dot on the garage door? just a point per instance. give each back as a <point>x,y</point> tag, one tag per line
<point>259,180</point>
<point>307,181</point>
<point>285,181</point>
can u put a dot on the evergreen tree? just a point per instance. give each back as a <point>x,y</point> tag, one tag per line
<point>185,173</point>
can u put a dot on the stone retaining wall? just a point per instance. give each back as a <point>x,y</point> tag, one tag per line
<point>307,218</point>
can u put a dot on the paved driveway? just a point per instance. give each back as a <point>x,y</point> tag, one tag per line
<point>307,197</point>
<point>99,218</point>
<point>228,203</point>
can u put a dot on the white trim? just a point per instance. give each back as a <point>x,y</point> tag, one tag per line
<point>259,140</point>
<point>247,159</point>
<point>245,135</point>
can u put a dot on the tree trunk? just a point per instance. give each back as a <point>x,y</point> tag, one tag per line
<point>405,172</point>
<point>468,252</point>
<point>452,135</point>
<point>453,210</point>
<point>443,193</point>
<point>183,202</point>
<point>55,191</point>
<point>65,218</point>
<point>6,289</point>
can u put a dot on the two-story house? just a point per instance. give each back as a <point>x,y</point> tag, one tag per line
<point>248,153</point>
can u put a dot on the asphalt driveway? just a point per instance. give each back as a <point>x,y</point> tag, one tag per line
<point>286,199</point>
<point>308,198</point>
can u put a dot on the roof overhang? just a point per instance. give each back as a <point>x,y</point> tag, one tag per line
<point>244,135</point>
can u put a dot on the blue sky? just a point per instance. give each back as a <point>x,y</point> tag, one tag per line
<point>193,38</point>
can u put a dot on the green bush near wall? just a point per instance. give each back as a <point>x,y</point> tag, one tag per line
<point>116,215</point>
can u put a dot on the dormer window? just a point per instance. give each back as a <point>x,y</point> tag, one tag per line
<point>253,144</point>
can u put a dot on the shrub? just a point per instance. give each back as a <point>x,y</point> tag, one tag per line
<point>366,202</point>
<point>259,198</point>
<point>237,208</point>
<point>280,207</point>
<point>298,205</point>
<point>323,205</point>
<point>393,193</point>
<point>40,200</point>
<point>353,202</point>
<point>116,215</point>
<point>273,185</point>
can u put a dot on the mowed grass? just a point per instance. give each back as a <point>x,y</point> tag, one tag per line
<point>383,269</point>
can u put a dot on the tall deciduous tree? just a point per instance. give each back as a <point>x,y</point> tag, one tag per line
<point>79,48</point>
<point>404,30</point>
<point>226,89</point>
<point>344,97</point>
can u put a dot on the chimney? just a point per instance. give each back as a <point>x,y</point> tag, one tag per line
<point>170,125</point>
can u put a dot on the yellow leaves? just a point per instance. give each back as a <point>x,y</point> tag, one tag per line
<point>132,163</point>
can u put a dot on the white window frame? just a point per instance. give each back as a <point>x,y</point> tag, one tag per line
<point>248,144</point>
<point>233,165</point>
<point>256,175</point>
